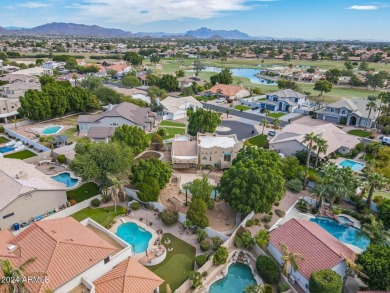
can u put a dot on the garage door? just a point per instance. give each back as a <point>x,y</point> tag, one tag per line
<point>179,116</point>
<point>332,119</point>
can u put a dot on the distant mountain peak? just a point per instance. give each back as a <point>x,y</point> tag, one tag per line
<point>206,33</point>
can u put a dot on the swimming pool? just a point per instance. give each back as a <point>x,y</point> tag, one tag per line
<point>344,233</point>
<point>66,179</point>
<point>238,277</point>
<point>51,129</point>
<point>355,166</point>
<point>6,149</point>
<point>135,235</point>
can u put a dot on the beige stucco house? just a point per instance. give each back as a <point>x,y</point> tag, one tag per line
<point>26,193</point>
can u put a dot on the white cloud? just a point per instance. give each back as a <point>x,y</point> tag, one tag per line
<point>141,11</point>
<point>364,7</point>
<point>33,4</point>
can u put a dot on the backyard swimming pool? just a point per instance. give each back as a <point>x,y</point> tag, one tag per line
<point>344,233</point>
<point>66,179</point>
<point>6,149</point>
<point>135,235</point>
<point>355,166</point>
<point>238,277</point>
<point>51,130</point>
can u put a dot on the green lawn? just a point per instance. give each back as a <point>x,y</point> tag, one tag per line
<point>171,132</point>
<point>103,216</point>
<point>385,194</point>
<point>276,115</point>
<point>242,107</point>
<point>177,265</point>
<point>85,191</point>
<point>359,132</point>
<point>171,123</point>
<point>22,155</point>
<point>70,132</point>
<point>3,139</point>
<point>259,140</point>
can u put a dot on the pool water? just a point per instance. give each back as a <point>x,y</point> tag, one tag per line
<point>51,129</point>
<point>238,277</point>
<point>344,233</point>
<point>244,72</point>
<point>66,179</point>
<point>135,235</point>
<point>344,220</point>
<point>355,166</point>
<point>6,149</point>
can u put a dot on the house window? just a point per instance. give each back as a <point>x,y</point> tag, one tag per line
<point>204,158</point>
<point>9,215</point>
<point>343,111</point>
<point>331,110</point>
<point>106,260</point>
<point>227,157</point>
<point>210,159</point>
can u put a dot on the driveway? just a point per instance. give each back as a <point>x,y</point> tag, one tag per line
<point>242,130</point>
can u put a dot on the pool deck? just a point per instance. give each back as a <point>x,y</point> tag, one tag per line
<point>355,222</point>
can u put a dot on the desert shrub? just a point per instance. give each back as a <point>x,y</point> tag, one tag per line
<point>249,223</point>
<point>201,235</point>
<point>244,240</point>
<point>200,260</point>
<point>276,204</point>
<point>217,242</point>
<point>378,199</point>
<point>162,132</point>
<point>266,289</point>
<point>283,287</point>
<point>267,226</point>
<point>271,213</point>
<point>295,185</point>
<point>220,256</point>
<point>204,245</point>
<point>280,213</point>
<point>169,217</point>
<point>1,129</point>
<point>360,147</point>
<point>267,218</point>
<point>61,159</point>
<point>268,269</point>
<point>302,205</point>
<point>72,202</point>
<point>262,238</point>
<point>95,202</point>
<point>325,281</point>
<point>135,205</point>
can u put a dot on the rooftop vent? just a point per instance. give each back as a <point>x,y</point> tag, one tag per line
<point>22,175</point>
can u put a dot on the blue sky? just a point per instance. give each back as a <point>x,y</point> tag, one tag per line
<point>329,19</point>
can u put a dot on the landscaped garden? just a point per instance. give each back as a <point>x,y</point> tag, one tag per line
<point>22,155</point>
<point>259,140</point>
<point>85,191</point>
<point>103,216</point>
<point>359,132</point>
<point>178,264</point>
<point>3,139</point>
<point>276,115</point>
<point>171,123</point>
<point>242,107</point>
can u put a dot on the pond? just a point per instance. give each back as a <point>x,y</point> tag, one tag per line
<point>244,72</point>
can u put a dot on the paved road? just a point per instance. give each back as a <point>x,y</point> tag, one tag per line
<point>242,130</point>
<point>244,115</point>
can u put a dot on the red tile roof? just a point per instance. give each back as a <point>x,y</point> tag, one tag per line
<point>63,249</point>
<point>128,277</point>
<point>319,249</point>
<point>227,90</point>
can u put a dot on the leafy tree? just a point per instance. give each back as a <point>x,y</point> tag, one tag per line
<point>376,80</point>
<point>348,64</point>
<point>200,260</point>
<point>221,255</point>
<point>133,58</point>
<point>91,83</point>
<point>98,160</point>
<point>196,279</point>
<point>151,168</point>
<point>132,136</point>
<point>187,91</point>
<point>38,62</point>
<point>291,168</point>
<point>286,57</point>
<point>198,66</point>
<point>217,242</point>
<point>289,259</point>
<point>155,58</point>
<point>309,139</point>
<point>256,288</point>
<point>268,269</point>
<point>16,274</point>
<point>131,81</point>
<point>169,217</point>
<point>254,182</point>
<point>155,92</point>
<point>180,73</point>
<point>203,121</point>
<point>196,213</point>
<point>384,213</point>
<point>315,57</point>
<point>107,95</point>
<point>152,79</point>
<point>224,77</point>
<point>262,238</point>
<point>157,141</point>
<point>168,82</point>
<point>332,75</point>
<point>325,281</point>
<point>376,181</point>
<point>202,189</point>
<point>363,66</point>
<point>45,79</point>
<point>149,190</point>
<point>323,86</point>
<point>244,239</point>
<point>70,63</point>
<point>375,231</point>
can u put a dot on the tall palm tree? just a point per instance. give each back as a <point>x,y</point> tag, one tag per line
<point>276,122</point>
<point>375,231</point>
<point>74,77</point>
<point>289,259</point>
<point>321,147</point>
<point>263,122</point>
<point>309,139</point>
<point>266,112</point>
<point>15,273</point>
<point>227,113</point>
<point>376,181</point>
<point>375,148</point>
<point>320,191</point>
<point>117,189</point>
<point>370,106</point>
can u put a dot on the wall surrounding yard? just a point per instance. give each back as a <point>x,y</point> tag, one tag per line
<point>23,139</point>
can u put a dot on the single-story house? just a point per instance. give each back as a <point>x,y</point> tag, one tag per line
<point>34,71</point>
<point>284,101</point>
<point>206,150</point>
<point>352,110</point>
<point>17,89</point>
<point>135,93</point>
<point>228,92</point>
<point>8,108</point>
<point>76,257</point>
<point>60,141</point>
<point>176,108</point>
<point>118,115</point>
<point>11,78</point>
<point>319,248</point>
<point>26,192</point>
<point>101,133</point>
<point>290,139</point>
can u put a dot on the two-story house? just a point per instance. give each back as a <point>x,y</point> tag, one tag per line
<point>349,111</point>
<point>284,101</point>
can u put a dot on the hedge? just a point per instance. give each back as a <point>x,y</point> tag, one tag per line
<point>268,269</point>
<point>200,260</point>
<point>169,217</point>
<point>325,281</point>
<point>204,245</point>
<point>95,202</point>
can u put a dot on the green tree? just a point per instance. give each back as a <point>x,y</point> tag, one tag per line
<point>38,62</point>
<point>348,64</point>
<point>221,255</point>
<point>321,146</point>
<point>149,190</point>
<point>309,139</point>
<point>264,123</point>
<point>91,83</point>
<point>224,77</point>
<point>151,168</point>
<point>384,213</point>
<point>315,57</point>
<point>70,63</point>
<point>196,213</point>
<point>371,105</point>
<point>291,168</point>
<point>325,281</point>
<point>376,265</point>
<point>376,181</point>
<point>376,80</point>
<point>262,238</point>
<point>243,239</point>
<point>155,58</point>
<point>203,121</point>
<point>196,279</point>
<point>287,84</point>
<point>133,58</point>
<point>363,66</point>
<point>323,86</point>
<point>333,75</point>
<point>131,81</point>
<point>168,82</point>
<point>254,182</point>
<point>132,136</point>
<point>198,66</point>
<point>201,188</point>
<point>268,269</point>
<point>180,73</point>
<point>16,274</point>
<point>289,260</point>
<point>286,57</point>
<point>375,231</point>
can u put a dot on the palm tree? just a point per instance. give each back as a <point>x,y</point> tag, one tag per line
<point>117,189</point>
<point>310,139</point>
<point>375,148</point>
<point>376,181</point>
<point>266,112</point>
<point>369,106</point>
<point>375,231</point>
<point>227,113</point>
<point>319,191</point>
<point>74,77</point>
<point>276,122</point>
<point>321,147</point>
<point>263,122</point>
<point>16,273</point>
<point>289,259</point>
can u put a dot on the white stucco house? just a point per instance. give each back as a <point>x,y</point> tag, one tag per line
<point>319,249</point>
<point>176,108</point>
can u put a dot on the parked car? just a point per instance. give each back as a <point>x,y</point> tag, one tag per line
<point>220,100</point>
<point>385,140</point>
<point>271,132</point>
<point>255,108</point>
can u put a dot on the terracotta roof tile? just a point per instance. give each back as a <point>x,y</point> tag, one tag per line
<point>227,90</point>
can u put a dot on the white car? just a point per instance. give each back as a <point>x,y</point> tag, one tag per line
<point>220,100</point>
